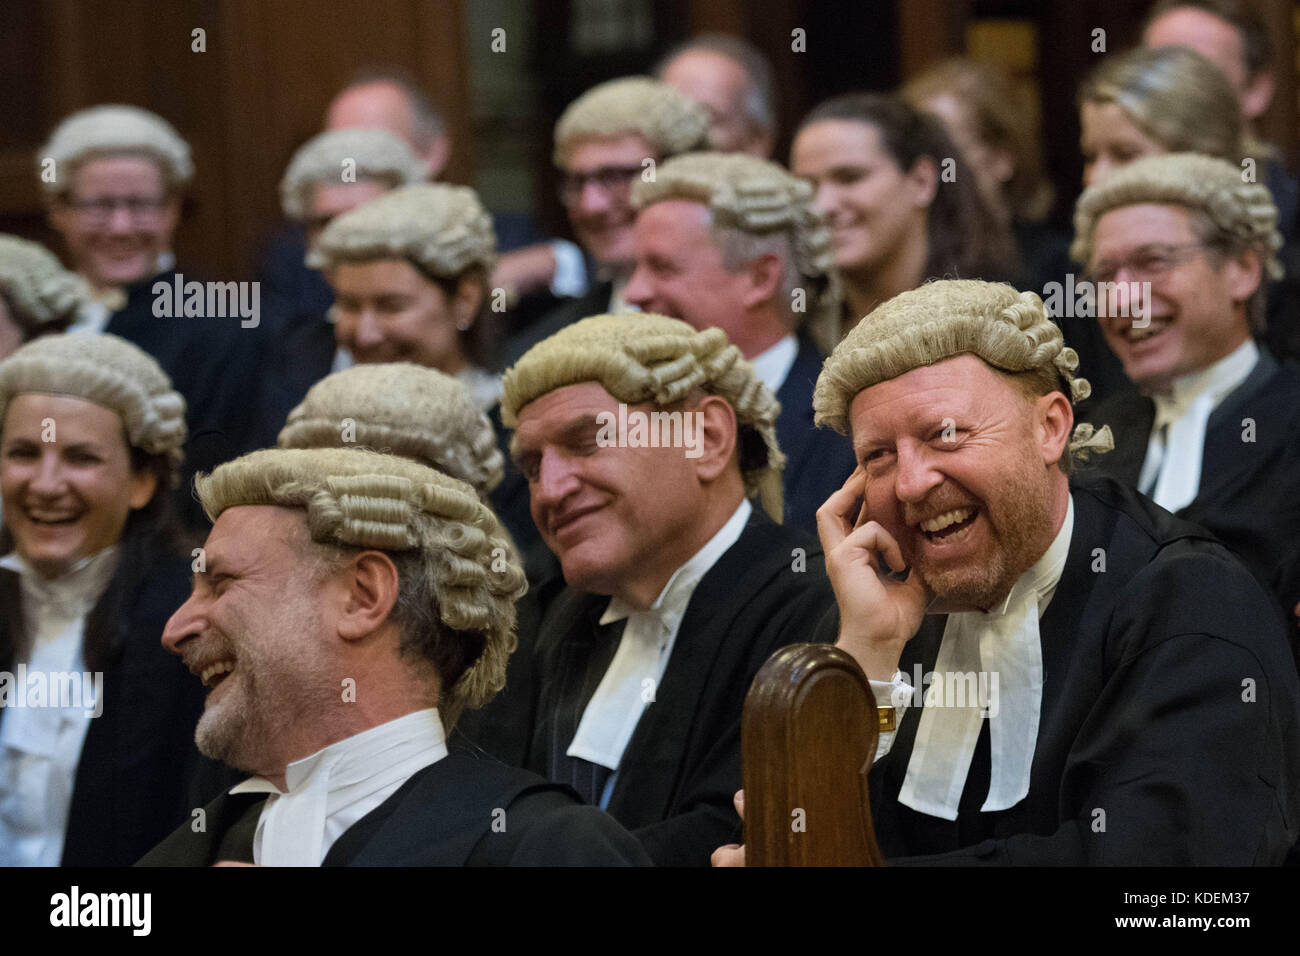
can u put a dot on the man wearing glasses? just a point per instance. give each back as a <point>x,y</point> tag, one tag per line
<point>607,139</point>
<point>1212,431</point>
<point>114,178</point>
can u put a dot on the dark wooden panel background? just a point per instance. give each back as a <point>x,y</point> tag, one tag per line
<point>271,67</point>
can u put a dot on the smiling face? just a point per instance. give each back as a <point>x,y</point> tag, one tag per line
<point>961,468</point>
<point>612,515</point>
<point>1109,140</point>
<point>117,219</point>
<point>253,630</point>
<point>872,207</point>
<point>66,499</point>
<point>385,311</point>
<point>602,215</point>
<point>1197,303</point>
<point>680,273</point>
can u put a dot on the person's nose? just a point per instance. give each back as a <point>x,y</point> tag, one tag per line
<point>557,479</point>
<point>593,199</point>
<point>915,476</point>
<point>49,480</point>
<point>369,331</point>
<point>119,220</point>
<point>639,291</point>
<point>825,199</point>
<point>187,622</point>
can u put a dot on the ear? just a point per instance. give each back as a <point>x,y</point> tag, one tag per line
<point>435,158</point>
<point>1257,95</point>
<point>370,584</point>
<point>467,302</point>
<point>141,487</point>
<point>923,181</point>
<point>765,275</point>
<point>716,436</point>
<point>1244,272</point>
<point>1054,420</point>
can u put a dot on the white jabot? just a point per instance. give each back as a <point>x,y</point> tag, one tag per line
<point>1171,472</point>
<point>40,746</point>
<point>1002,645</point>
<point>774,364</point>
<point>93,316</point>
<point>484,387</point>
<point>335,787</point>
<point>633,675</point>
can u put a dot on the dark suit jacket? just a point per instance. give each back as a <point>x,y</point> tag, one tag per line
<point>1169,717</point>
<point>448,814</point>
<point>682,766</point>
<point>595,302</point>
<point>818,460</point>
<point>133,781</point>
<point>1249,495</point>
<point>217,366</point>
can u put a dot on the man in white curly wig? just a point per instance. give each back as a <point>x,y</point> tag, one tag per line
<point>350,605</point>
<point>642,441</point>
<point>1212,431</point>
<point>734,242</point>
<point>605,140</point>
<point>1061,666</point>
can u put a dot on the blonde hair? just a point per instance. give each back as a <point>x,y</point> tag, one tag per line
<point>401,409</point>
<point>112,373</point>
<point>757,198</point>
<point>362,499</point>
<point>374,154</point>
<point>643,358</point>
<point>114,130</point>
<point>1009,330</point>
<point>669,121</point>
<point>1174,95</point>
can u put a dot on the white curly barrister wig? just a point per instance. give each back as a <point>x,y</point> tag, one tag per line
<point>110,372</point>
<point>363,499</point>
<point>400,409</point>
<point>670,122</point>
<point>346,155</point>
<point>114,130</point>
<point>35,284</point>
<point>1009,330</point>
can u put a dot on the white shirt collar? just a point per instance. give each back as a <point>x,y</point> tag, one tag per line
<point>772,365</point>
<point>484,387</point>
<point>676,594</point>
<point>615,709</point>
<point>998,656</point>
<point>71,594</point>
<point>1218,380</point>
<point>332,789</point>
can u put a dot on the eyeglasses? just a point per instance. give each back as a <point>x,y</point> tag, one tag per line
<point>1149,262</point>
<point>615,180</point>
<point>100,211</point>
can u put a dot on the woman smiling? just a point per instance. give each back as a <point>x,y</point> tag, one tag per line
<point>96,731</point>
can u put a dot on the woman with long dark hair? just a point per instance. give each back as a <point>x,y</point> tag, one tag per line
<point>900,207</point>
<point>96,731</point>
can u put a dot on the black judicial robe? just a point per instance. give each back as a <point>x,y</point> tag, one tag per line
<point>217,366</point>
<point>444,815</point>
<point>1249,495</point>
<point>1150,750</point>
<point>681,767</point>
<point>818,460</point>
<point>135,776</point>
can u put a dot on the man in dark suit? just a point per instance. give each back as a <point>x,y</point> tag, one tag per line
<point>604,141</point>
<point>1212,430</point>
<point>1097,682</point>
<point>350,606</point>
<point>733,242</point>
<point>643,440</point>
